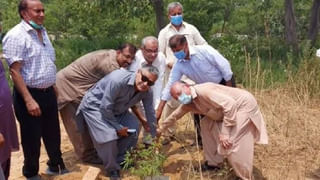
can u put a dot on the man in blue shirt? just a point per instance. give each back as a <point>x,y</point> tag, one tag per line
<point>104,110</point>
<point>200,63</point>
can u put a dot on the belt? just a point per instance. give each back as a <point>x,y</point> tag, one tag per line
<point>45,90</point>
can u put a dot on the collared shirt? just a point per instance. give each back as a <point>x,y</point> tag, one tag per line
<point>21,44</point>
<point>205,65</point>
<point>112,96</point>
<point>189,31</point>
<point>76,79</point>
<point>160,63</point>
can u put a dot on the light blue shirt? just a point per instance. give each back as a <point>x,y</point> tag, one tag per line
<point>21,44</point>
<point>206,64</point>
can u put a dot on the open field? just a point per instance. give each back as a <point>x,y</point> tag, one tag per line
<point>293,151</point>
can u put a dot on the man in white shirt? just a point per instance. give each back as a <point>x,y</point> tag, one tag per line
<point>149,54</point>
<point>176,26</point>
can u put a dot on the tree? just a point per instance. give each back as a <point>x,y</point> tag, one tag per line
<point>158,8</point>
<point>314,20</point>
<point>290,25</point>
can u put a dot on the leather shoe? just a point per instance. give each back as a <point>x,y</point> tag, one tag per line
<point>206,167</point>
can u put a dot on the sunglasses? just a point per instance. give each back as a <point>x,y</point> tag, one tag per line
<point>145,79</point>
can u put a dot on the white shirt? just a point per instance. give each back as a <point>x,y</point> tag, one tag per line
<point>160,63</point>
<point>189,31</point>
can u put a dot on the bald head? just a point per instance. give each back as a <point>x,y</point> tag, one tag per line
<point>177,88</point>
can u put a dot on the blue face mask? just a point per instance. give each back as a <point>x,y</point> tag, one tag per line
<point>176,20</point>
<point>180,54</point>
<point>184,98</point>
<point>35,25</point>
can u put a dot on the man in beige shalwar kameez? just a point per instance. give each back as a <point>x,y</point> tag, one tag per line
<point>242,123</point>
<point>75,80</point>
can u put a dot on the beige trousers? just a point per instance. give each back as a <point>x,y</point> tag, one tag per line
<point>81,142</point>
<point>240,155</point>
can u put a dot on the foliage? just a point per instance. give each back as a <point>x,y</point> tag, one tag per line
<point>145,162</point>
<point>240,30</point>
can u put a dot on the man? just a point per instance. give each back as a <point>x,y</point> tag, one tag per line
<point>149,54</point>
<point>74,81</point>
<point>30,55</point>
<point>200,63</point>
<point>104,109</point>
<point>242,123</point>
<point>176,26</point>
<point>7,125</point>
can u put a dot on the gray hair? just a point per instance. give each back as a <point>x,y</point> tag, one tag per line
<point>173,5</point>
<point>151,69</point>
<point>148,38</point>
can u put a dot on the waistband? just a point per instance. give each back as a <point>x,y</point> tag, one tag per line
<point>44,90</point>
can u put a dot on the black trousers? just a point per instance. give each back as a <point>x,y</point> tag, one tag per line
<point>197,117</point>
<point>33,128</point>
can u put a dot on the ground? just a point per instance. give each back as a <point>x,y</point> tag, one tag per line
<point>292,153</point>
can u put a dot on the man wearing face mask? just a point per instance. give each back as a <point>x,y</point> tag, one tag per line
<point>104,108</point>
<point>73,82</point>
<point>30,55</point>
<point>176,26</point>
<point>231,125</point>
<point>200,63</point>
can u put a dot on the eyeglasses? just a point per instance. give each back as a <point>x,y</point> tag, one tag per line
<point>150,50</point>
<point>145,79</point>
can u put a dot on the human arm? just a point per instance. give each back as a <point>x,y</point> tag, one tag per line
<point>160,109</point>
<point>221,63</point>
<point>137,111</point>
<point>158,86</point>
<point>174,116</point>
<point>32,106</point>
<point>147,102</point>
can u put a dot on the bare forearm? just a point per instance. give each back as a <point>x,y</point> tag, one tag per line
<point>20,85</point>
<point>138,113</point>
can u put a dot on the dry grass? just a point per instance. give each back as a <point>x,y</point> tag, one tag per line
<point>291,112</point>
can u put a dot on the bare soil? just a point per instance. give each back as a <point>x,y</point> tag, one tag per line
<point>292,153</point>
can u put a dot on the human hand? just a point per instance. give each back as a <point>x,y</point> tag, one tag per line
<point>145,125</point>
<point>2,141</point>
<point>225,141</point>
<point>33,108</point>
<point>123,132</point>
<point>159,132</point>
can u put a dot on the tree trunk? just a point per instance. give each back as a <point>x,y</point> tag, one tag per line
<point>158,8</point>
<point>314,19</point>
<point>290,25</point>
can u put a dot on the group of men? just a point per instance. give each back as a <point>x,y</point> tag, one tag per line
<point>105,96</point>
